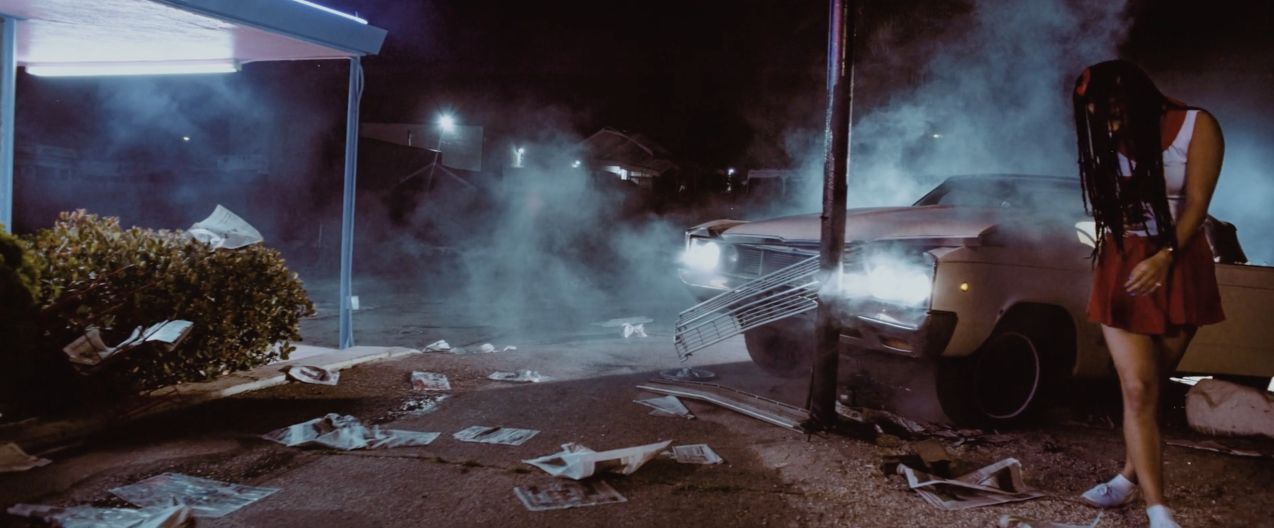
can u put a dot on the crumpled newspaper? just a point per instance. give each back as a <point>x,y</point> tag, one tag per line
<point>173,516</point>
<point>997,483</point>
<point>519,376</point>
<point>346,433</point>
<point>224,230</point>
<point>430,381</point>
<point>205,497</point>
<point>314,375</point>
<point>577,462</point>
<point>634,330</point>
<point>14,459</point>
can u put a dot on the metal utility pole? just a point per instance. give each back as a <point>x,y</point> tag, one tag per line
<point>347,203</point>
<point>840,83</point>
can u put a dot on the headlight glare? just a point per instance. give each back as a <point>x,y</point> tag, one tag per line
<point>702,255</point>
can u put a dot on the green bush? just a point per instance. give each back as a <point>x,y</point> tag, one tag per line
<point>94,273</point>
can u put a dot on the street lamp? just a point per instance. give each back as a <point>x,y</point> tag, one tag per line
<point>517,157</point>
<point>446,124</point>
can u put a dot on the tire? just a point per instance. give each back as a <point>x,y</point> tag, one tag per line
<point>783,348</point>
<point>1005,381</point>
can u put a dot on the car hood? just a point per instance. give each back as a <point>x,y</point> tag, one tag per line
<point>949,224</point>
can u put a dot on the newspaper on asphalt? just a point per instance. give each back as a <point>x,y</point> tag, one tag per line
<point>696,454</point>
<point>205,497</point>
<point>518,376</point>
<point>13,459</point>
<point>440,345</point>
<point>430,381</point>
<point>997,483</point>
<point>314,375</point>
<point>89,350</point>
<point>173,516</point>
<point>224,230</point>
<point>577,462</point>
<point>423,404</point>
<point>346,433</point>
<point>634,330</point>
<point>562,494</point>
<point>1013,521</point>
<point>667,406</point>
<point>483,434</point>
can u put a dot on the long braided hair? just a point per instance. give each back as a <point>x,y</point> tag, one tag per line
<point>1118,108</point>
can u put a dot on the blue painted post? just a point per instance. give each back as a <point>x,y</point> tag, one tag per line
<point>8,84</point>
<point>347,204</point>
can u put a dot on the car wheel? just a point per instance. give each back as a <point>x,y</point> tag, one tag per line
<point>1003,382</point>
<point>783,348</point>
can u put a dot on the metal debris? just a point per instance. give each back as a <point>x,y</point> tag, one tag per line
<point>764,409</point>
<point>696,454</point>
<point>430,381</point>
<point>563,494</point>
<point>205,497</point>
<point>13,459</point>
<point>578,462</point>
<point>1217,447</point>
<point>314,375</point>
<point>346,433</point>
<point>520,376</point>
<point>667,406</point>
<point>997,483</point>
<point>495,435</point>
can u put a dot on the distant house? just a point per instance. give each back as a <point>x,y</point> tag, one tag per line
<point>629,156</point>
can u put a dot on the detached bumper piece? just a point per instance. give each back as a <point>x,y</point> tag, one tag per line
<point>787,292</point>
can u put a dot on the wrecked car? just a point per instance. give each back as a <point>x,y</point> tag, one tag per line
<point>966,307</point>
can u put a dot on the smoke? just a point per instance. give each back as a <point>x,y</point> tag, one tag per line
<point>990,95</point>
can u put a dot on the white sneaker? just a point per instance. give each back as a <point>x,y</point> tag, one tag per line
<point>1161,517</point>
<point>1112,494</point>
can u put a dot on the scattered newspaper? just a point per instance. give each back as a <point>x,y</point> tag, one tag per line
<point>205,497</point>
<point>440,345</point>
<point>997,483</point>
<point>563,494</point>
<point>224,230</point>
<point>495,435</point>
<point>346,433</point>
<point>314,375</point>
<point>577,462</point>
<point>634,330</point>
<point>519,376</point>
<point>667,406</point>
<point>89,350</point>
<point>1013,521</point>
<point>696,454</point>
<point>423,404</point>
<point>430,381</point>
<point>89,517</point>
<point>13,459</point>
<point>621,321</point>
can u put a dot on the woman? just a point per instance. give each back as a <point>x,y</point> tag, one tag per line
<point>1148,166</point>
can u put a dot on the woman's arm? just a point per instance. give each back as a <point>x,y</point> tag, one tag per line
<point>1203,167</point>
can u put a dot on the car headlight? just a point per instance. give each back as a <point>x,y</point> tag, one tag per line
<point>702,255</point>
<point>890,278</point>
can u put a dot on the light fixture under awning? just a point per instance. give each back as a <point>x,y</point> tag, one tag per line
<point>99,69</point>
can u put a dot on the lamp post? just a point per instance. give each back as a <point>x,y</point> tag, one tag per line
<point>446,123</point>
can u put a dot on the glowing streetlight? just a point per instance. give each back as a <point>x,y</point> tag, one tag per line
<point>729,171</point>
<point>576,164</point>
<point>517,157</point>
<point>447,123</point>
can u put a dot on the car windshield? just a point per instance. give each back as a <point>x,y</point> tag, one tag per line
<point>1024,192</point>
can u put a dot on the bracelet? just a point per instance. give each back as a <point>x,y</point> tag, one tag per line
<point>1172,252</point>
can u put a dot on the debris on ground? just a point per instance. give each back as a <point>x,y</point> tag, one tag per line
<point>519,376</point>
<point>1013,521</point>
<point>173,516</point>
<point>13,459</point>
<point>696,454</point>
<point>748,404</point>
<point>440,345</point>
<point>578,462</point>
<point>346,433</point>
<point>1217,447</point>
<point>430,381</point>
<point>621,321</point>
<point>997,483</point>
<point>495,435</point>
<point>224,230</point>
<point>206,498</point>
<point>634,330</point>
<point>1219,407</point>
<point>314,375</point>
<point>934,456</point>
<point>422,404</point>
<point>485,348</point>
<point>667,406</point>
<point>563,494</point>
<point>89,350</point>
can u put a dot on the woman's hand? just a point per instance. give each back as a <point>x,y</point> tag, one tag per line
<point>1148,275</point>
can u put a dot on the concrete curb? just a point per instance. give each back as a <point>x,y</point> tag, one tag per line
<point>35,435</point>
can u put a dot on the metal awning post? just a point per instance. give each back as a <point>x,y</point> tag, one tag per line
<point>840,78</point>
<point>8,85</point>
<point>347,202</point>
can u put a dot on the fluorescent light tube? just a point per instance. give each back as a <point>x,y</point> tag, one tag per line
<point>103,69</point>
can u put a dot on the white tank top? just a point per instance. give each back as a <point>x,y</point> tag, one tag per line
<point>1174,176</point>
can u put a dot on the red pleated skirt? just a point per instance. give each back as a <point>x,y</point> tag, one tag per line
<point>1189,297</point>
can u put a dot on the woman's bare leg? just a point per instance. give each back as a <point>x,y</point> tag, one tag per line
<point>1137,360</point>
<point>1171,347</point>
